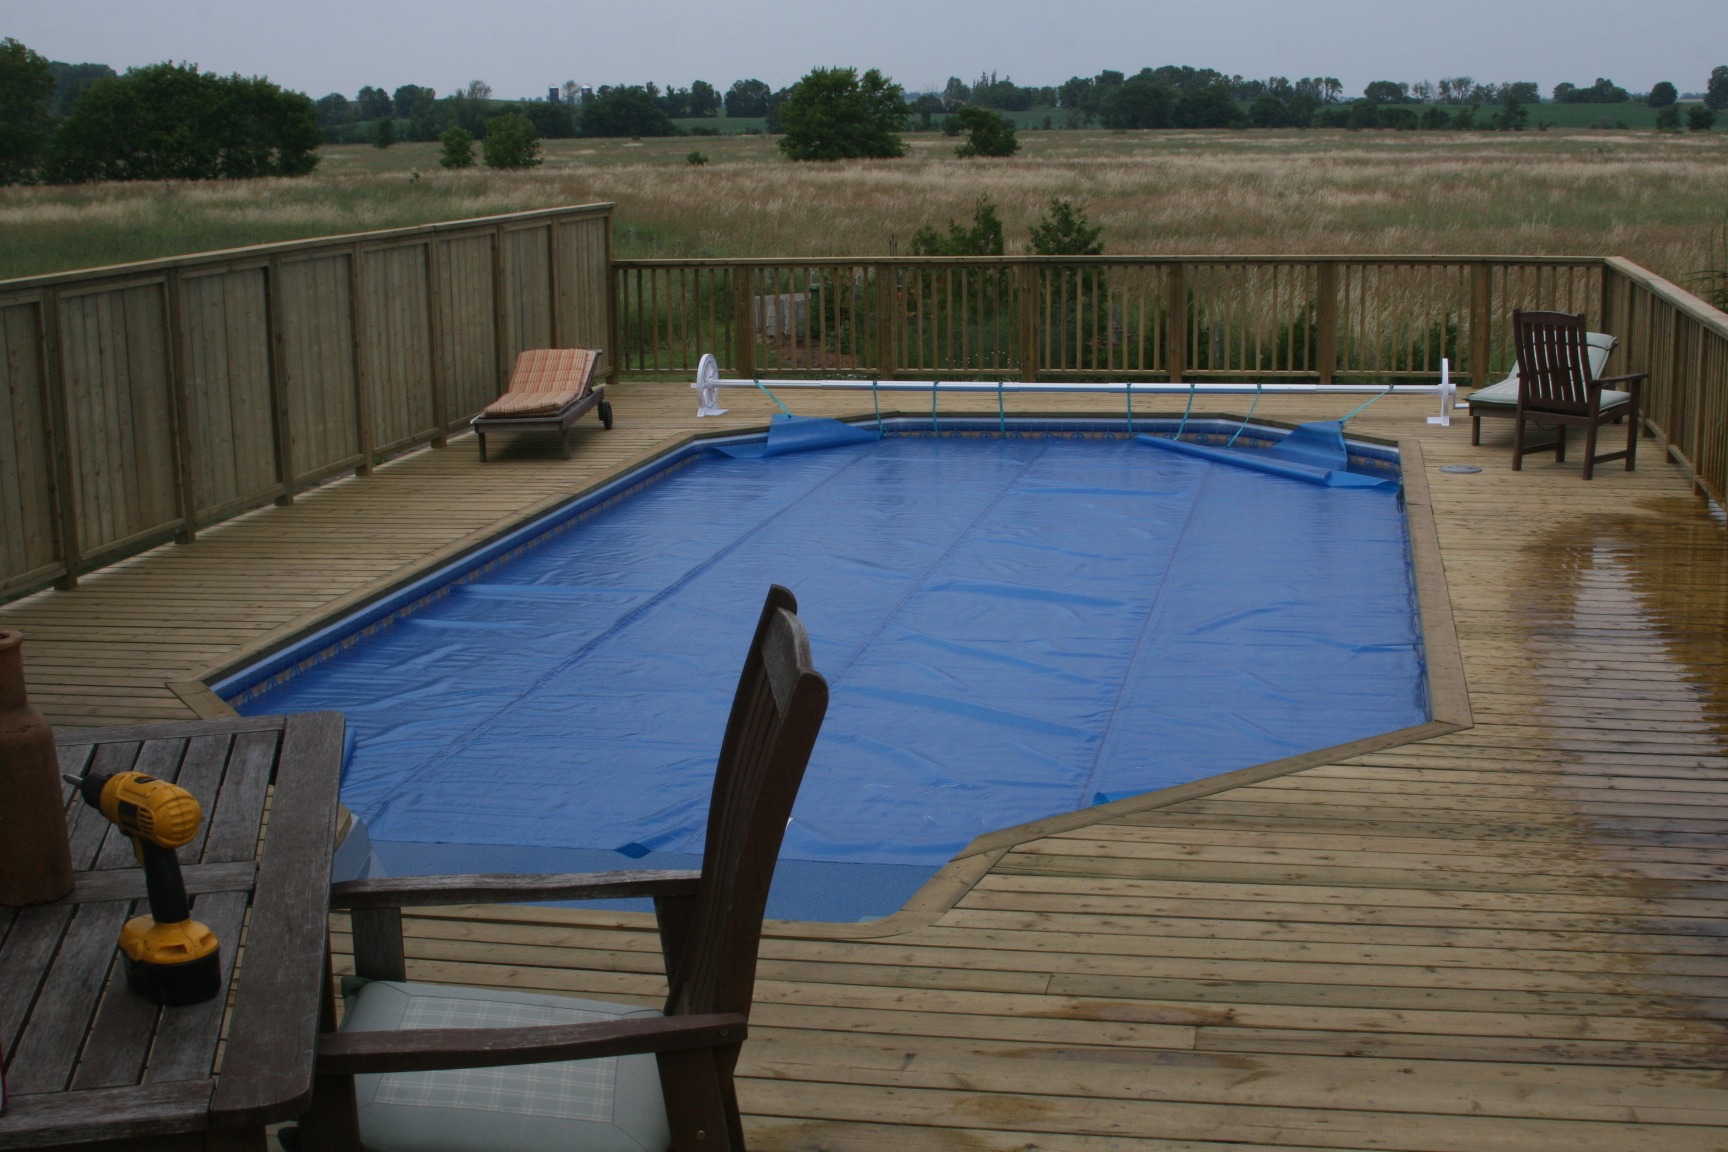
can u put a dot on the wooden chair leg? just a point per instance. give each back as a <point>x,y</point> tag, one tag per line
<point>697,1102</point>
<point>1518,443</point>
<point>1590,449</point>
<point>481,436</point>
<point>332,1123</point>
<point>1475,430</point>
<point>1560,444</point>
<point>1632,439</point>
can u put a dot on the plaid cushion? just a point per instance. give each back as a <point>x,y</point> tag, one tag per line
<point>572,1090</point>
<point>607,1105</point>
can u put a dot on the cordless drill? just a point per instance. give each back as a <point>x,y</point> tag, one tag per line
<point>171,958</point>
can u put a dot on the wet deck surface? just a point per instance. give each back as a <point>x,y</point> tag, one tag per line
<point>1511,936</point>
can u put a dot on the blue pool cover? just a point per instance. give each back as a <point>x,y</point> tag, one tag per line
<point>1011,628</point>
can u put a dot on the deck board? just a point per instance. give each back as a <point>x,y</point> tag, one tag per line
<point>1510,936</point>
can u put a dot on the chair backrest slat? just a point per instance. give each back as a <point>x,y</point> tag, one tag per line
<point>1553,362</point>
<point>776,714</point>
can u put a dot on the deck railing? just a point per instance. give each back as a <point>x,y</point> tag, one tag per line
<point>1683,343</point>
<point>139,403</point>
<point>1320,318</point>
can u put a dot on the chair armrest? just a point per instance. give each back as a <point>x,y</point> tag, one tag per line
<point>431,1049</point>
<point>1633,378</point>
<point>495,888</point>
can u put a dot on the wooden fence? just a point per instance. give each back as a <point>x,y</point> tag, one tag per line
<point>141,402</point>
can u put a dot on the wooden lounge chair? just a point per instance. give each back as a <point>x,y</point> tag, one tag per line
<point>550,389</point>
<point>379,1078</point>
<point>1557,387</point>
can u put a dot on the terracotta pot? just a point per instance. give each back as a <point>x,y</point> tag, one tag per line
<point>35,858</point>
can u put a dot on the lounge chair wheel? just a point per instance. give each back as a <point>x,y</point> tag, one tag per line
<point>605,414</point>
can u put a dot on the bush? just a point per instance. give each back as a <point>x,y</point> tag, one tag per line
<point>458,148</point>
<point>26,89</point>
<point>1668,118</point>
<point>1699,118</point>
<point>987,133</point>
<point>696,158</point>
<point>510,142</point>
<point>1063,230</point>
<point>384,134</point>
<point>984,238</point>
<point>173,122</point>
<point>836,114</point>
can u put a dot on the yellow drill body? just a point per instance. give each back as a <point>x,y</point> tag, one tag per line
<point>170,957</point>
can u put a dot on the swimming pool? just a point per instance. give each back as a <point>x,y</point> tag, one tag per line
<point>1012,627</point>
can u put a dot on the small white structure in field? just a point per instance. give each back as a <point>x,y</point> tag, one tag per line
<point>707,386</point>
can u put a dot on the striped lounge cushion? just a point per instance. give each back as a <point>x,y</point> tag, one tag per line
<point>1505,393</point>
<point>545,382</point>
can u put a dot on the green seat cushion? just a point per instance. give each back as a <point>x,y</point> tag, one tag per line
<point>1505,393</point>
<point>607,1105</point>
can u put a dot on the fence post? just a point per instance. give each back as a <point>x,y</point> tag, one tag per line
<point>180,411</point>
<point>1481,324</point>
<point>1695,379</point>
<point>500,312</point>
<point>279,411</point>
<point>435,340</point>
<point>743,322</point>
<point>1326,321</point>
<point>886,321</point>
<point>1176,321</point>
<point>60,430</point>
<point>362,381</point>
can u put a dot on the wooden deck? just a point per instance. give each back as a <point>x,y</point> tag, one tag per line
<point>1511,936</point>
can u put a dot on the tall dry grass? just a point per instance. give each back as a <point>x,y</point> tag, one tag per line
<point>1649,198</point>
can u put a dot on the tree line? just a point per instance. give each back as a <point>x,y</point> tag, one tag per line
<point>76,122</point>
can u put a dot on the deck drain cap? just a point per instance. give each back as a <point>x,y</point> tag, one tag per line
<point>1459,468</point>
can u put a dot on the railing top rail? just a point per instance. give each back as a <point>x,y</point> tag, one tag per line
<point>1669,292</point>
<point>987,261</point>
<point>260,251</point>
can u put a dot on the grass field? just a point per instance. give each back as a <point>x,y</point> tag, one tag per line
<point>1652,198</point>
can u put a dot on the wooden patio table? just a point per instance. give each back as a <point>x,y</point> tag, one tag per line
<point>89,1063</point>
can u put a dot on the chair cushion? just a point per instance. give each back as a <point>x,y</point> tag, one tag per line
<point>1505,395</point>
<point>1601,346</point>
<point>607,1105</point>
<point>534,403</point>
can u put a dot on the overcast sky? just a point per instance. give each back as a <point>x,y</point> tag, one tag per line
<point>521,47</point>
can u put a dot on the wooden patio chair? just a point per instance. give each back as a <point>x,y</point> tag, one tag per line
<point>1556,387</point>
<point>550,389</point>
<point>383,1081</point>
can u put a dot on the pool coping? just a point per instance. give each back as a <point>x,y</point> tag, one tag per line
<point>1449,704</point>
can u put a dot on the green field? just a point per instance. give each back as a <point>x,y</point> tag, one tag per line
<point>1651,197</point>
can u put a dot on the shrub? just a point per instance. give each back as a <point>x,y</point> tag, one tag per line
<point>696,158</point>
<point>384,134</point>
<point>1668,118</point>
<point>510,142</point>
<point>1700,119</point>
<point>1063,230</point>
<point>984,238</point>
<point>987,133</point>
<point>836,114</point>
<point>458,148</point>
